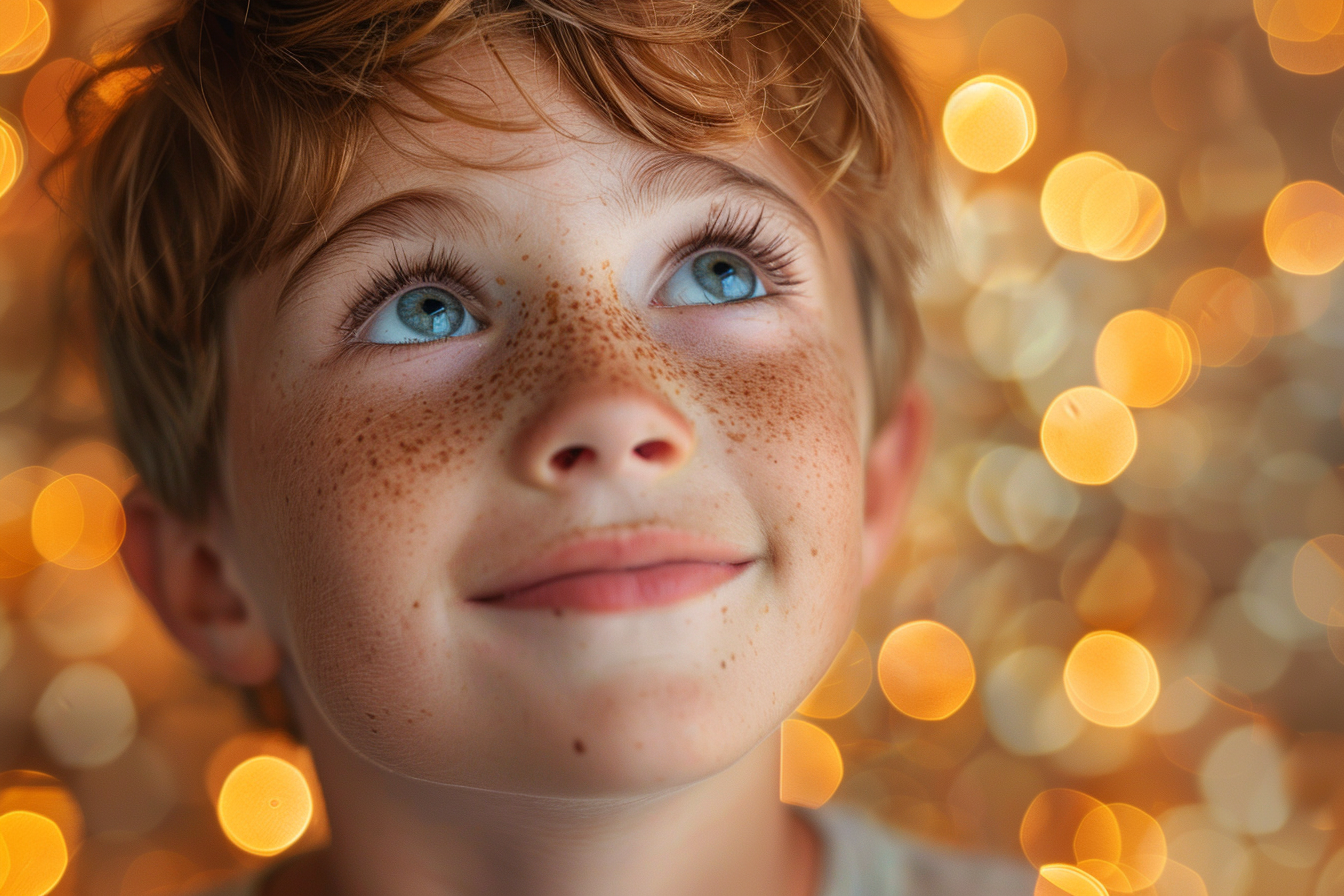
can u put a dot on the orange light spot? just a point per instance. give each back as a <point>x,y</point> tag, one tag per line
<point>13,23</point>
<point>97,459</point>
<point>1067,880</point>
<point>1143,358</point>
<point>18,493</point>
<point>37,853</point>
<point>1066,189</point>
<point>1298,20</point>
<point>925,9</point>
<point>44,100</point>
<point>1088,435</point>
<point>1150,219</point>
<point>1111,679</point>
<point>1304,228</point>
<point>1127,843</point>
<point>810,767</point>
<point>1316,57</point>
<point>1230,314</point>
<point>925,670</point>
<point>32,43</point>
<point>1027,49</point>
<point>78,522</point>
<point>989,122</point>
<point>844,684</point>
<point>265,805</point>
<point>1318,578</point>
<point>11,153</point>
<point>1051,823</point>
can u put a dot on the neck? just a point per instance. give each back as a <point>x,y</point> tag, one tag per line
<point>393,836</point>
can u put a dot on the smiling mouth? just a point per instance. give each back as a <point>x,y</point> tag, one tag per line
<point>617,590</point>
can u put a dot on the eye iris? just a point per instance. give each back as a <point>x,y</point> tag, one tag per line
<point>430,311</point>
<point>724,275</point>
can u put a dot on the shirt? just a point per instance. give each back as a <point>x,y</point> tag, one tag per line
<point>860,857</point>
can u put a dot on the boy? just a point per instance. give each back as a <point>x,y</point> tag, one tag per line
<point>523,385</point>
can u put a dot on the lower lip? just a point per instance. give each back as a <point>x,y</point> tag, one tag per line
<point>612,591</point>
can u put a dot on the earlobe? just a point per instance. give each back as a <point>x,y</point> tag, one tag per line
<point>180,572</point>
<point>895,458</point>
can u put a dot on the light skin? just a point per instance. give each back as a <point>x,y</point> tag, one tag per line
<point>371,486</point>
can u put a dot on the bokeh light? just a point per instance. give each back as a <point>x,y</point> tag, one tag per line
<point>264,805</point>
<point>1318,577</point>
<point>37,853</point>
<point>1144,358</point>
<point>925,670</point>
<point>1304,228</point>
<point>926,9</point>
<point>810,767</point>
<point>988,123</point>
<point>32,37</point>
<point>1229,313</point>
<point>1111,679</point>
<point>1067,880</point>
<point>1088,435</point>
<point>1027,49</point>
<point>1091,203</point>
<point>845,682</point>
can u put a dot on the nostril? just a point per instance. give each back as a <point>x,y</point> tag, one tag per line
<point>655,450</point>
<point>568,457</point>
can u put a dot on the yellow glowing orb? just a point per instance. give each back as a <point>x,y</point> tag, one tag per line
<point>1066,188</point>
<point>18,493</point>
<point>33,39</point>
<point>1149,222</point>
<point>1298,20</point>
<point>844,684</point>
<point>37,853</point>
<point>1304,228</point>
<point>1318,578</point>
<point>810,767</point>
<point>78,522</point>
<point>1050,824</point>
<point>989,122</point>
<point>1088,435</point>
<point>1111,679</point>
<point>1127,844</point>
<point>265,805</point>
<point>1314,57</point>
<point>925,9</point>
<point>1230,314</point>
<point>11,155</point>
<point>1067,880</point>
<point>925,670</point>
<point>1144,358</point>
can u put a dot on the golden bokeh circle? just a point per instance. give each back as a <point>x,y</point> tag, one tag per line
<point>1143,358</point>
<point>1318,578</point>
<point>78,522</point>
<point>810,766</point>
<point>1050,825</point>
<point>1088,435</point>
<point>37,853</point>
<point>1230,314</point>
<point>265,805</point>
<point>989,122</point>
<point>1304,228</point>
<point>1067,880</point>
<point>925,670</point>
<point>1111,679</point>
<point>925,9</point>
<point>33,39</point>
<point>1066,189</point>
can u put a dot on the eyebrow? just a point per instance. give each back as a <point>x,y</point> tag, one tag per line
<point>669,177</point>
<point>661,178</point>
<point>389,217</point>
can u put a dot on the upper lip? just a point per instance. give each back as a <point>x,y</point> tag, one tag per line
<point>627,549</point>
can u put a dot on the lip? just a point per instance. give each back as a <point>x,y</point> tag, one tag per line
<point>631,570</point>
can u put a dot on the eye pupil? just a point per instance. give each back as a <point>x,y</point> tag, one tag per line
<point>724,275</point>
<point>431,311</point>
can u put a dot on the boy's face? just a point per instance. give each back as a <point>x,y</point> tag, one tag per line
<point>580,339</point>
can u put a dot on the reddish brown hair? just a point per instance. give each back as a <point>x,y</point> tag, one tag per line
<point>226,156</point>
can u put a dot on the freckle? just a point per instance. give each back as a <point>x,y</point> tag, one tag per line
<point>723,664</point>
<point>416,605</point>
<point>814,552</point>
<point>578,746</point>
<point>526,257</point>
<point>723,609</point>
<point>500,281</point>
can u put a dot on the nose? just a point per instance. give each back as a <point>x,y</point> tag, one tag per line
<point>627,433</point>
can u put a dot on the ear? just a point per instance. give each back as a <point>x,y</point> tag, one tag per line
<point>178,568</point>
<point>895,458</point>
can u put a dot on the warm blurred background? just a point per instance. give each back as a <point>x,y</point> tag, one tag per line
<point>1113,637</point>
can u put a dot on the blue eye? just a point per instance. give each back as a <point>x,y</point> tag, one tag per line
<point>424,314</point>
<point>713,278</point>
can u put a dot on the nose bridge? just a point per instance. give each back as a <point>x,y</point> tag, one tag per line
<point>605,408</point>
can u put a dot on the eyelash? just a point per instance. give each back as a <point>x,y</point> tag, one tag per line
<point>738,229</point>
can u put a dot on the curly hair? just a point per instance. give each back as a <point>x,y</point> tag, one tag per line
<point>243,118</point>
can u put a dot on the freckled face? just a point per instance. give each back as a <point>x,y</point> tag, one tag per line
<point>392,454</point>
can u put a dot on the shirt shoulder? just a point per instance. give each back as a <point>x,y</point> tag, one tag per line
<point>862,857</point>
